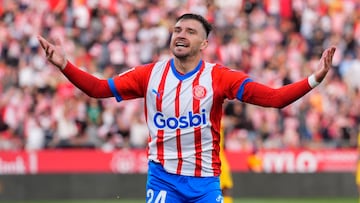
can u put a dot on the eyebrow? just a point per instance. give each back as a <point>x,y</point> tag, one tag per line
<point>186,28</point>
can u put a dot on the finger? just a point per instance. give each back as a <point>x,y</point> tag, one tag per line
<point>323,55</point>
<point>328,59</point>
<point>329,56</point>
<point>50,55</point>
<point>332,52</point>
<point>42,41</point>
<point>47,50</point>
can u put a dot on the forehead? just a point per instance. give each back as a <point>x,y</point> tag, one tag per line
<point>190,23</point>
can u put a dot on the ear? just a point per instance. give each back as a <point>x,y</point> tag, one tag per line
<point>204,44</point>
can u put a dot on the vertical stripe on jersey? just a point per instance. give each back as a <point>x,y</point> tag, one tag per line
<point>146,110</point>
<point>178,131</point>
<point>197,130</point>
<point>214,114</point>
<point>160,133</point>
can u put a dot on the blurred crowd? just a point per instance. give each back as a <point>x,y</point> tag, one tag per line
<point>276,42</point>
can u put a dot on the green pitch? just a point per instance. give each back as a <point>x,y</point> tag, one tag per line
<point>268,200</point>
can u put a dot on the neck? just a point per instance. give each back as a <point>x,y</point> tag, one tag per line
<point>185,65</point>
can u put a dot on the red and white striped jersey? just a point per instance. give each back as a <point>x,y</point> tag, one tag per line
<point>183,112</point>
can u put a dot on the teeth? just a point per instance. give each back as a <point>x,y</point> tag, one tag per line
<point>180,44</point>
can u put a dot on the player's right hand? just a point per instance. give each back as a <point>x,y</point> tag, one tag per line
<point>325,64</point>
<point>55,53</point>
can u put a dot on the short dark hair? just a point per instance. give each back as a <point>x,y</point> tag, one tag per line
<point>207,26</point>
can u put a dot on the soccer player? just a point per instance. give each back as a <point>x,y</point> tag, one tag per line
<point>183,107</point>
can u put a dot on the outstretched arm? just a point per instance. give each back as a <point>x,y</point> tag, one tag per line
<point>262,95</point>
<point>89,84</point>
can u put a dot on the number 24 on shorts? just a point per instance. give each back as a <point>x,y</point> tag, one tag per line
<point>159,198</point>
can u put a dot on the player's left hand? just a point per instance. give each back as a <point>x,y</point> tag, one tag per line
<point>55,53</point>
<point>325,64</point>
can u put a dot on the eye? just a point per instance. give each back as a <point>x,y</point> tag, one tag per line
<point>177,30</point>
<point>192,32</point>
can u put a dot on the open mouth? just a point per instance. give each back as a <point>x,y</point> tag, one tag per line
<point>181,44</point>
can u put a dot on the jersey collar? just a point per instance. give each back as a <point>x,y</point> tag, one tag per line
<point>187,75</point>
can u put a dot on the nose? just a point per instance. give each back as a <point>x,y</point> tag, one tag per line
<point>181,34</point>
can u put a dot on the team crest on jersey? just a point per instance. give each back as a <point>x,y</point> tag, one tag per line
<point>199,92</point>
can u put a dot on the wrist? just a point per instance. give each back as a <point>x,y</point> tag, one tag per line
<point>312,81</point>
<point>63,66</point>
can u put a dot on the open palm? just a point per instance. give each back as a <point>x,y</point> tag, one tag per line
<point>325,64</point>
<point>54,52</point>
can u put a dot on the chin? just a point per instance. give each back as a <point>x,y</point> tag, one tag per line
<point>180,55</point>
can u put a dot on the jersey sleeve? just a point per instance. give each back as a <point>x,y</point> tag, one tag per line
<point>262,95</point>
<point>131,84</point>
<point>230,83</point>
<point>89,84</point>
<point>236,84</point>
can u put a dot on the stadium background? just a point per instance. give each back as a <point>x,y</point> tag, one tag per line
<point>43,117</point>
